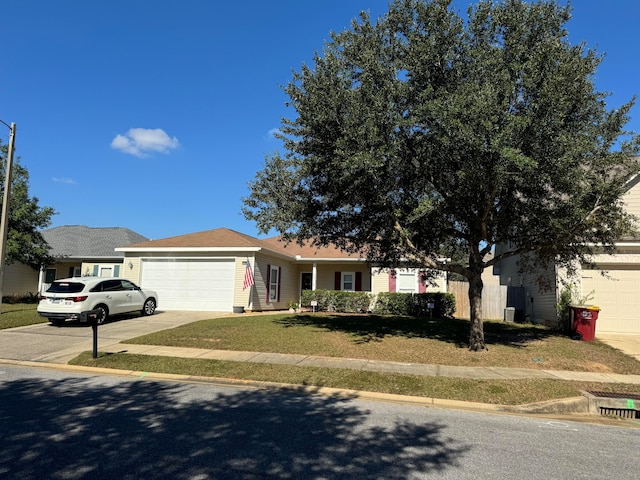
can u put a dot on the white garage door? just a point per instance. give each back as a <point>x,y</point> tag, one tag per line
<point>188,284</point>
<point>618,297</point>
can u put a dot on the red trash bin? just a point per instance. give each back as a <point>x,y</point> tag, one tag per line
<point>583,321</point>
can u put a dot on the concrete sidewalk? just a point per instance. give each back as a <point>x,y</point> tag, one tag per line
<point>371,365</point>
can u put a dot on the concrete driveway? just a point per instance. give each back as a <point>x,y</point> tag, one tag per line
<point>629,343</point>
<point>45,343</point>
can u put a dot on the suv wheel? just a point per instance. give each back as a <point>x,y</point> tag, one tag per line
<point>103,313</point>
<point>149,307</point>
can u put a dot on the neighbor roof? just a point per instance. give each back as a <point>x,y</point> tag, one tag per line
<point>80,241</point>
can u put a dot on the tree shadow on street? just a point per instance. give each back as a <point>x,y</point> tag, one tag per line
<point>374,328</point>
<point>76,428</point>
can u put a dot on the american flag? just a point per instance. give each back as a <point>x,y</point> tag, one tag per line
<point>248,276</point>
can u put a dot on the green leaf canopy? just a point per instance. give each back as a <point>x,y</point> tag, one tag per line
<point>425,135</point>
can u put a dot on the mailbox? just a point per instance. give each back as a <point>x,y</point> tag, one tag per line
<point>90,317</point>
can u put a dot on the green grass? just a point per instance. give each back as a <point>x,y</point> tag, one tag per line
<point>19,315</point>
<point>404,339</point>
<point>499,392</point>
<point>400,339</point>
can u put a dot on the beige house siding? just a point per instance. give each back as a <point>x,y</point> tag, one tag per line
<point>540,304</point>
<point>288,282</point>
<point>19,280</point>
<point>380,281</point>
<point>88,268</point>
<point>327,275</point>
<point>440,283</point>
<point>240,294</point>
<point>64,270</point>
<point>631,200</point>
<point>131,269</point>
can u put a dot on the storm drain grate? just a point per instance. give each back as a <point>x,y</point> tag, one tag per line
<point>619,412</point>
<point>629,396</point>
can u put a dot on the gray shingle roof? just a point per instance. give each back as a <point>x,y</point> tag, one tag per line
<point>80,241</point>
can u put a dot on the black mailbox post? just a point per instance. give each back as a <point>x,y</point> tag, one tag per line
<point>91,317</point>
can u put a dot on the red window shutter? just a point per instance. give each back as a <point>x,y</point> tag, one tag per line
<point>338,281</point>
<point>268,280</point>
<point>422,285</point>
<point>279,278</point>
<point>392,280</point>
<point>358,281</point>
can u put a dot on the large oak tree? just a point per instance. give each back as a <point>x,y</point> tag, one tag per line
<point>426,135</point>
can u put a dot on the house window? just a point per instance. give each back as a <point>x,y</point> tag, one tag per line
<point>108,271</point>
<point>406,282</point>
<point>274,283</point>
<point>348,281</point>
<point>75,271</point>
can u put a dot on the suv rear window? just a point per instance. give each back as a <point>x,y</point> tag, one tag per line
<point>65,287</point>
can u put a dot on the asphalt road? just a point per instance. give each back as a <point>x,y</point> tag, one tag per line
<point>62,425</point>
<point>46,343</point>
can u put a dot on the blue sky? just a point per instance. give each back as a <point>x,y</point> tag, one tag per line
<point>154,114</point>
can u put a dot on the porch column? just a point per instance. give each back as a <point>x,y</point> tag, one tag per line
<point>314,277</point>
<point>40,278</point>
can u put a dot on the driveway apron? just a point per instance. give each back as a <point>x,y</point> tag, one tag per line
<point>46,343</point>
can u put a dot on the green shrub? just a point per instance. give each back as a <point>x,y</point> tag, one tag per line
<point>393,304</point>
<point>415,304</point>
<point>569,295</point>
<point>384,303</point>
<point>337,301</point>
<point>24,298</point>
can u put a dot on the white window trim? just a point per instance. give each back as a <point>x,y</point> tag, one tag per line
<point>273,286</point>
<point>353,282</point>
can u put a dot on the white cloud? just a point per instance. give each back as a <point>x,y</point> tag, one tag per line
<point>69,181</point>
<point>140,142</point>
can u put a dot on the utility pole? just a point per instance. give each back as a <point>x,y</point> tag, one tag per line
<point>4,221</point>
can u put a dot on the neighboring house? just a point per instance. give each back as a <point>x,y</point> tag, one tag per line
<point>617,294</point>
<point>206,271</point>
<point>79,250</point>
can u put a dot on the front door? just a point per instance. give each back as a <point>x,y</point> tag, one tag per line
<point>306,281</point>
<point>50,275</point>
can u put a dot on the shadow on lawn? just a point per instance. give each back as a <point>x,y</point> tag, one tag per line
<point>374,328</point>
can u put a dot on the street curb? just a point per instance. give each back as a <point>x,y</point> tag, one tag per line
<point>565,406</point>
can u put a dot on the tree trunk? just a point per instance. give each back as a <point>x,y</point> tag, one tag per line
<point>476,333</point>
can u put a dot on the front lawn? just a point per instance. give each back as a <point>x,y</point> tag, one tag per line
<point>401,339</point>
<point>19,314</point>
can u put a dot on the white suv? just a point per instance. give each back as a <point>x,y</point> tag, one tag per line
<point>69,297</point>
